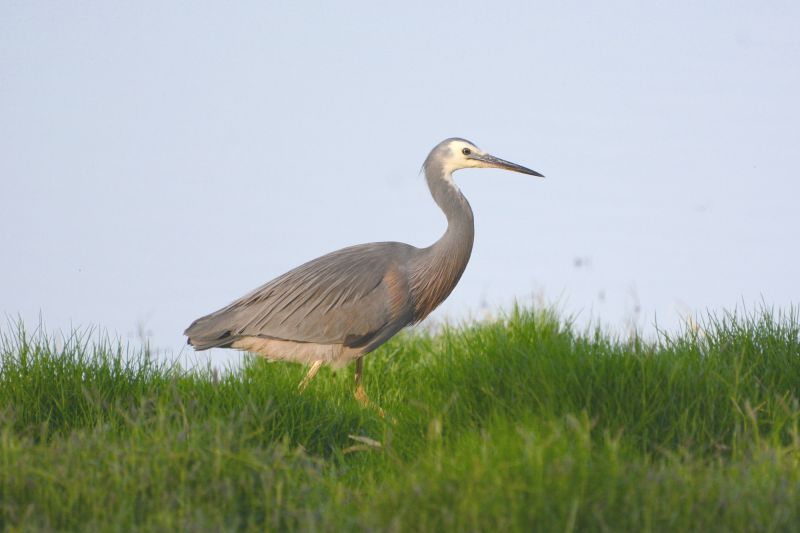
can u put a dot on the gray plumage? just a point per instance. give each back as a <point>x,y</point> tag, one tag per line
<point>339,298</point>
<point>343,305</point>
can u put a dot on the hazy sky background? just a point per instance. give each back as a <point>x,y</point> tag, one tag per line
<point>159,159</point>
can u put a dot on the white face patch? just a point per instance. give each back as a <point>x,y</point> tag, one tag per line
<point>457,160</point>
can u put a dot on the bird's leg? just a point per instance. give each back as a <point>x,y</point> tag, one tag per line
<point>360,394</point>
<point>315,366</point>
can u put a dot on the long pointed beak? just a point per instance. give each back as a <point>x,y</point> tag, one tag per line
<point>496,162</point>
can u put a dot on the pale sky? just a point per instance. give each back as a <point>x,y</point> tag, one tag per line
<point>160,159</point>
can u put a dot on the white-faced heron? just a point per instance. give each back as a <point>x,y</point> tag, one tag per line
<point>343,305</point>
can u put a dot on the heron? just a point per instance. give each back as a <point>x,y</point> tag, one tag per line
<point>339,307</point>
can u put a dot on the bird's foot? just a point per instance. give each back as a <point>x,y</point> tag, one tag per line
<point>363,399</point>
<point>361,396</point>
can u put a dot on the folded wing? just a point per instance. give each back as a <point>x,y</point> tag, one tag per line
<point>356,297</point>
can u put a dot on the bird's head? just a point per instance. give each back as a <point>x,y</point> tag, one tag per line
<point>455,153</point>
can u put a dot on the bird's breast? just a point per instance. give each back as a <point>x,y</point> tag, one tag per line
<point>434,280</point>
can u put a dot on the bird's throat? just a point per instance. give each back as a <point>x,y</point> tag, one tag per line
<point>441,265</point>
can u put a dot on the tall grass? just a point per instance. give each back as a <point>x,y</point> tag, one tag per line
<point>517,424</point>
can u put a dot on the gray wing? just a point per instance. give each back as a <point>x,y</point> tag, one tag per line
<point>354,296</point>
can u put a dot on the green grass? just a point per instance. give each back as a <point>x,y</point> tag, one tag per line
<point>520,424</point>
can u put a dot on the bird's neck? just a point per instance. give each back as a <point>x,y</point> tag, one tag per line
<point>441,265</point>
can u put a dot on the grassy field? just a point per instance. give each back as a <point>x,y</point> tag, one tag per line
<point>520,424</point>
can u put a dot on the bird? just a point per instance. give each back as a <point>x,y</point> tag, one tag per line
<point>339,307</point>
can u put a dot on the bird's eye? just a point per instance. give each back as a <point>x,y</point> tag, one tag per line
<point>466,151</point>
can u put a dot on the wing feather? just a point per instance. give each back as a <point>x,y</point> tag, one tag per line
<point>334,299</point>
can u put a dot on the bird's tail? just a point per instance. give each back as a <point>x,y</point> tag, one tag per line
<point>205,333</point>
